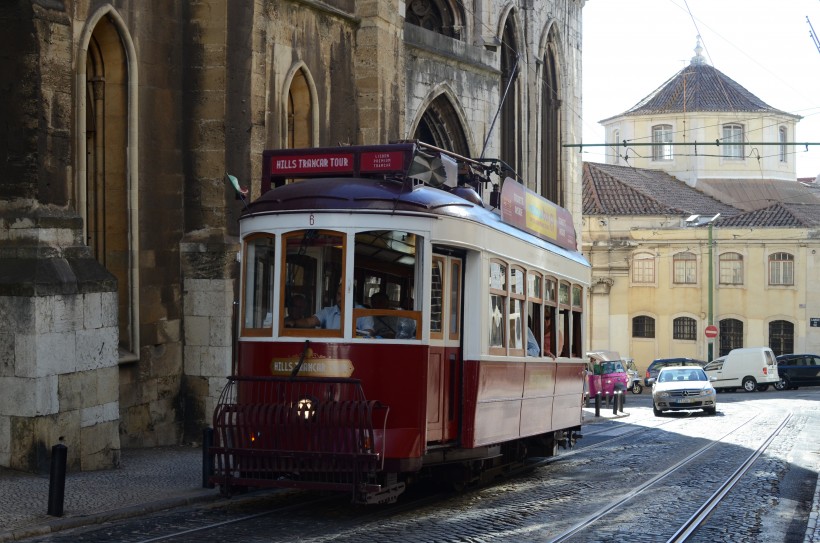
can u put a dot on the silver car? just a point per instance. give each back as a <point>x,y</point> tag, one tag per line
<point>680,388</point>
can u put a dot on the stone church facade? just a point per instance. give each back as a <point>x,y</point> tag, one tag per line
<point>118,233</point>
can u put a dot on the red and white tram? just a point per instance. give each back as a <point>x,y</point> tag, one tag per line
<point>384,324</point>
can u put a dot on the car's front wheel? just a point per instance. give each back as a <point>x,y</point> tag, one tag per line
<point>780,385</point>
<point>710,410</point>
<point>657,411</point>
<point>749,384</point>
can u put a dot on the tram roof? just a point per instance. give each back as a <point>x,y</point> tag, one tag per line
<point>406,177</point>
<point>387,195</point>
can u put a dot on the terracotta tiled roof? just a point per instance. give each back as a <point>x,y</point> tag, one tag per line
<point>778,215</point>
<point>700,88</point>
<point>622,190</point>
<point>751,194</point>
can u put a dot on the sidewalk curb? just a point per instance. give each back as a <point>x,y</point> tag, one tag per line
<point>68,523</point>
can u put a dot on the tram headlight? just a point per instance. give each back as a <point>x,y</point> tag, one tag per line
<point>305,408</point>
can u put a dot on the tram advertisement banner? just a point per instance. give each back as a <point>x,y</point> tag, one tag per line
<point>524,209</point>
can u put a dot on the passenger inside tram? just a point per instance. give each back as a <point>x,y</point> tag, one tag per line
<point>390,326</point>
<point>533,349</point>
<point>548,344</point>
<point>330,317</point>
<point>297,307</point>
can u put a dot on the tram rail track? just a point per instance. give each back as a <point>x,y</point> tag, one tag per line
<point>695,521</point>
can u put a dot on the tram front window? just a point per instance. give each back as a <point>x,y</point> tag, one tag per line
<point>385,277</point>
<point>259,267</point>
<point>313,270</point>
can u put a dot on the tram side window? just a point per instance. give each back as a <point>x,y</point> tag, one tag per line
<point>436,298</point>
<point>498,306</point>
<point>259,263</point>
<point>385,271</point>
<point>563,320</point>
<point>534,322</point>
<point>516,315</point>
<point>313,276</point>
<point>577,316</point>
<point>455,299</point>
<point>553,343</point>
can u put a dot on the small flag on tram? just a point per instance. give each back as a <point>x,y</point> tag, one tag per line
<point>235,182</point>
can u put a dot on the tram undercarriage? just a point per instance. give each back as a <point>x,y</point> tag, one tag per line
<point>322,434</point>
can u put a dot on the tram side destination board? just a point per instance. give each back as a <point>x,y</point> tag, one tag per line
<point>532,213</point>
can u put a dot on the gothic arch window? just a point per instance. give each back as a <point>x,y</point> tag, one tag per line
<point>441,126</point>
<point>300,112</point>
<point>105,200</point>
<point>552,184</point>
<point>781,337</point>
<point>731,335</point>
<point>439,16</point>
<point>510,136</point>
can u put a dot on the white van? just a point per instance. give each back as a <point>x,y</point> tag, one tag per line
<point>752,368</point>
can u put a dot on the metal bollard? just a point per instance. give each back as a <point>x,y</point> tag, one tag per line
<point>56,482</point>
<point>616,394</point>
<point>623,399</point>
<point>207,458</point>
<point>598,404</point>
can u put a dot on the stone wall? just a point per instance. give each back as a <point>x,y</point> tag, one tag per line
<point>58,345</point>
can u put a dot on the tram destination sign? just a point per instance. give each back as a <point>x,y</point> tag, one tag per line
<point>281,164</point>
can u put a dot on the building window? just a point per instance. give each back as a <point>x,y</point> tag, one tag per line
<point>662,142</point>
<point>643,268</point>
<point>552,159</point>
<point>782,140</point>
<point>436,15</point>
<point>733,141</point>
<point>643,327</point>
<point>781,269</point>
<point>781,337</point>
<point>685,269</point>
<point>731,269</point>
<point>731,335</point>
<point>685,328</point>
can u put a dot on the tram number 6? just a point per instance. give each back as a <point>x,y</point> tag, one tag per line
<point>312,219</point>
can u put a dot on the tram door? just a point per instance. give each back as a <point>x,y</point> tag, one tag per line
<point>444,362</point>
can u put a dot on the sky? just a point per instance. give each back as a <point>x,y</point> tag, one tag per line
<point>632,47</point>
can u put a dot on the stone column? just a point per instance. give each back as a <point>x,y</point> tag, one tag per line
<point>380,74</point>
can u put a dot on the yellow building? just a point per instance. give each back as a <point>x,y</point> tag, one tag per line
<point>701,158</point>
<point>647,237</point>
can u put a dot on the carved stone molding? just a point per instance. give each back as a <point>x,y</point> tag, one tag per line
<point>601,285</point>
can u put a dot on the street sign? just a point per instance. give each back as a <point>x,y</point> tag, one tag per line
<point>711,331</point>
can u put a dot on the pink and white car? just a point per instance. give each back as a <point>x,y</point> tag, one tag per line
<point>607,372</point>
